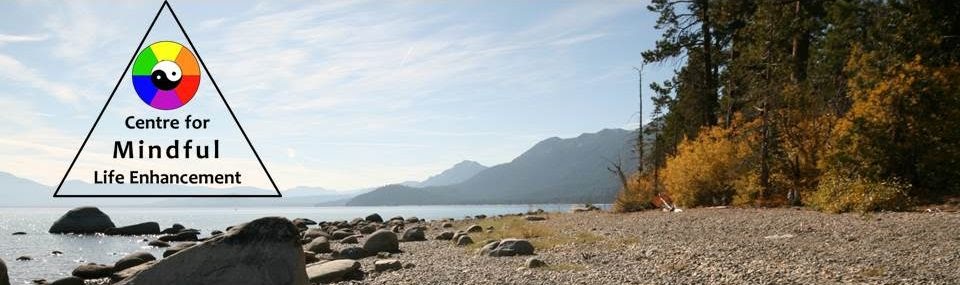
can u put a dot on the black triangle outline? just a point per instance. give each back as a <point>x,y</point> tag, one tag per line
<point>56,194</point>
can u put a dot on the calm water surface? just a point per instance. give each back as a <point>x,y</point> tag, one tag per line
<point>78,249</point>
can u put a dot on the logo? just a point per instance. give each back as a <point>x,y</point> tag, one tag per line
<point>166,75</point>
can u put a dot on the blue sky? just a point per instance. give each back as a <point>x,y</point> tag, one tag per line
<point>340,95</point>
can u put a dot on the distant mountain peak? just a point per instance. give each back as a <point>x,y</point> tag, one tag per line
<point>554,170</point>
<point>460,172</point>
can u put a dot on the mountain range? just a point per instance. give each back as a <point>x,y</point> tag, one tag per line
<point>554,170</point>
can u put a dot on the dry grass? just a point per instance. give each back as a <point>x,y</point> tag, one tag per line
<point>542,236</point>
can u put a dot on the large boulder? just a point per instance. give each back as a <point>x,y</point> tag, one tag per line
<point>507,247</point>
<point>263,251</point>
<point>83,220</point>
<point>382,241</point>
<point>132,260</point>
<point>334,271</point>
<point>148,228</point>
<point>4,279</point>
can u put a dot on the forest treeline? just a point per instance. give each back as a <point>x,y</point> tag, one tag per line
<point>840,105</point>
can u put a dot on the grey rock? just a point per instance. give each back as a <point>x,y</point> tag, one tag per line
<point>83,220</point>
<point>132,260</point>
<point>318,245</point>
<point>72,280</point>
<point>368,229</point>
<point>354,239</point>
<point>93,271</point>
<point>158,244</point>
<point>387,265</point>
<point>313,233</point>
<point>382,241</point>
<point>129,272</point>
<point>263,251</point>
<point>339,234</point>
<point>304,221</point>
<point>374,218</point>
<point>464,240</point>
<point>414,234</point>
<point>148,228</point>
<point>334,271</point>
<point>534,218</point>
<point>474,229</point>
<point>352,252</point>
<point>412,220</point>
<point>508,247</point>
<point>181,236</point>
<point>534,262</point>
<point>446,235</point>
<point>24,258</point>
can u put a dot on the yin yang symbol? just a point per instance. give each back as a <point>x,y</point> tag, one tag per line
<point>166,75</point>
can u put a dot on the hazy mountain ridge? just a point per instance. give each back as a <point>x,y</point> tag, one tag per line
<point>554,170</point>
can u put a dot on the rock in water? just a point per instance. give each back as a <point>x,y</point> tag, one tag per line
<point>93,271</point>
<point>382,241</point>
<point>334,271</point>
<point>148,228</point>
<point>507,247</point>
<point>264,251</point>
<point>374,218</point>
<point>414,234</point>
<point>83,220</point>
<point>72,280</point>
<point>4,279</point>
<point>132,260</point>
<point>178,248</point>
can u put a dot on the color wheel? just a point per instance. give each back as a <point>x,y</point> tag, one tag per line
<point>166,75</point>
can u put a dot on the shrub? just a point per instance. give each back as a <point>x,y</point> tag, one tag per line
<point>838,194</point>
<point>636,196</point>
<point>704,170</point>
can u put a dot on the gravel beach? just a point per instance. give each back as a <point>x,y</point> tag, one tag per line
<point>697,246</point>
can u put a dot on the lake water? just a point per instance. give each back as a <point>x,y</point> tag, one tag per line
<point>78,249</point>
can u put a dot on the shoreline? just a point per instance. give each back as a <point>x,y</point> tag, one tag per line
<point>700,245</point>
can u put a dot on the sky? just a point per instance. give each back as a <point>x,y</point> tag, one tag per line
<point>336,94</point>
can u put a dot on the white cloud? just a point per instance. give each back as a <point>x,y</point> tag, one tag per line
<point>7,38</point>
<point>13,70</point>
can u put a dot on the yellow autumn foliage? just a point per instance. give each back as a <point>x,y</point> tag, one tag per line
<point>705,170</point>
<point>636,196</point>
